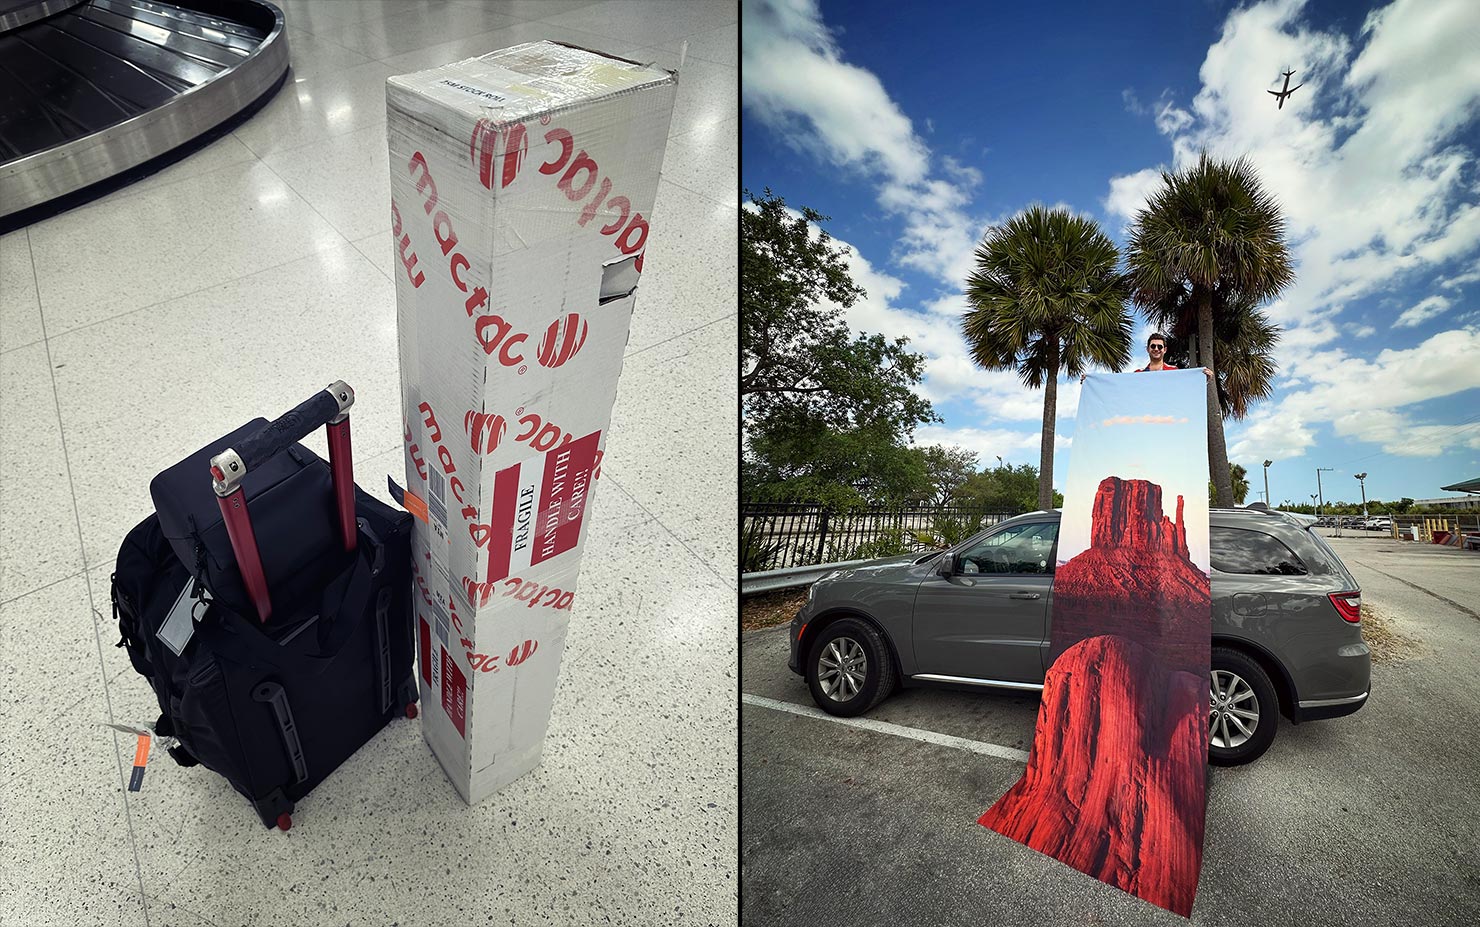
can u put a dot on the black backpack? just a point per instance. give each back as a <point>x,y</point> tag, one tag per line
<point>273,707</point>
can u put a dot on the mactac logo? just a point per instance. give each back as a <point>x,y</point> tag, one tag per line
<point>563,339</point>
<point>579,175</point>
<point>485,429</point>
<point>498,337</point>
<point>491,140</point>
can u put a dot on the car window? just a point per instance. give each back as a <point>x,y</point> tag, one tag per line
<point>1234,550</point>
<point>1026,548</point>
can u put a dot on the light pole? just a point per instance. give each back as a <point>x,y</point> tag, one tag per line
<point>1313,498</point>
<point>1319,490</point>
<point>1362,478</point>
<point>1267,500</point>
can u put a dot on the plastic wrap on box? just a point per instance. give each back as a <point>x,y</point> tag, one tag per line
<point>522,188</point>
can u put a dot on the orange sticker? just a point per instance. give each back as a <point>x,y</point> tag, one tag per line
<point>141,758</point>
<point>416,505</point>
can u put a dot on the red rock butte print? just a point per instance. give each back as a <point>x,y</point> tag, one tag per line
<point>1116,780</point>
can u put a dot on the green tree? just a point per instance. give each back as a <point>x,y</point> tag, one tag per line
<point>1210,229</point>
<point>828,412</point>
<point>794,455</point>
<point>1004,487</point>
<point>1240,478</point>
<point>795,347</point>
<point>948,468</point>
<point>1046,299</point>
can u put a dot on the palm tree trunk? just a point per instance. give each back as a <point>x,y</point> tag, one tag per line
<point>1217,445</point>
<point>1050,415</point>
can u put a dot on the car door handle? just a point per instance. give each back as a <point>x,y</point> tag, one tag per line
<point>1024,595</point>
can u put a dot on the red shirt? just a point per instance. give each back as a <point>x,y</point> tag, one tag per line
<point>1146,369</point>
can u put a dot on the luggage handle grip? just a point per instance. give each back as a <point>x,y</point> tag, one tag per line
<point>323,408</point>
<point>329,407</point>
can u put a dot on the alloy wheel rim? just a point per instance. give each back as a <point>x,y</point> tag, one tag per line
<point>842,668</point>
<point>1233,714</point>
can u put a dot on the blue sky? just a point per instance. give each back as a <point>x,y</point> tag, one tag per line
<point>917,127</point>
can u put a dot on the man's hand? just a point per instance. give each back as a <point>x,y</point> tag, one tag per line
<point>1208,372</point>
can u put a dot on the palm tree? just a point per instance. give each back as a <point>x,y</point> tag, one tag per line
<point>1046,298</point>
<point>1210,229</point>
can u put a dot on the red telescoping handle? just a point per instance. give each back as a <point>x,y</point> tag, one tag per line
<point>327,408</point>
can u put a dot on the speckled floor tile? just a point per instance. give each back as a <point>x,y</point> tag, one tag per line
<point>20,309</point>
<point>675,438</point>
<point>317,106</point>
<point>708,95</point>
<point>212,361</point>
<point>690,271</point>
<point>650,22</point>
<point>345,178</point>
<point>380,251</point>
<point>706,162</point>
<point>123,254</point>
<point>38,528</point>
<point>720,45</point>
<point>516,34</point>
<point>313,54</point>
<point>64,831</point>
<point>414,29</point>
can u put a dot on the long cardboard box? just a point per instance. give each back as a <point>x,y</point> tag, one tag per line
<point>522,186</point>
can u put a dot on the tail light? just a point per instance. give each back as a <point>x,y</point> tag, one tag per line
<point>1348,605</point>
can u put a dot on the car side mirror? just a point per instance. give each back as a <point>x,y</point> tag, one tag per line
<point>947,565</point>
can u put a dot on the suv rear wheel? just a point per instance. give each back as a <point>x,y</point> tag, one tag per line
<point>849,668</point>
<point>1244,709</point>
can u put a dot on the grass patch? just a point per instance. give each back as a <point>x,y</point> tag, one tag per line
<point>1388,645</point>
<point>770,609</point>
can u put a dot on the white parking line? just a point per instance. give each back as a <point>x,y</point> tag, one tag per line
<point>884,727</point>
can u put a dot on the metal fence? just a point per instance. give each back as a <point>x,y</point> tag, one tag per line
<point>781,535</point>
<point>1450,528</point>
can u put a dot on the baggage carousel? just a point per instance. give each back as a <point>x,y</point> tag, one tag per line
<point>95,94</point>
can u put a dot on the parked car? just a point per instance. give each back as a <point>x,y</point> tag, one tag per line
<point>1286,624</point>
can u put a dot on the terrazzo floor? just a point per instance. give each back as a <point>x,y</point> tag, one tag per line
<point>233,284</point>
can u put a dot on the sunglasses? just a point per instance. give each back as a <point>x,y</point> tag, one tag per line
<point>1156,347</point>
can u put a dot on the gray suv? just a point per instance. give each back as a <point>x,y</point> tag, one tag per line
<point>1287,634</point>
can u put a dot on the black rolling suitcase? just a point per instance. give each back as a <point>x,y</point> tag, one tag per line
<point>278,640</point>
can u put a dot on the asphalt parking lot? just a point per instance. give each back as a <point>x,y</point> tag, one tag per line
<point>1373,819</point>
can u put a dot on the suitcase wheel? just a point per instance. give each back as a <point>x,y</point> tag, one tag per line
<point>411,710</point>
<point>285,821</point>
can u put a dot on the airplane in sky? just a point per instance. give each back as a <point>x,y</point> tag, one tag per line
<point>1281,94</point>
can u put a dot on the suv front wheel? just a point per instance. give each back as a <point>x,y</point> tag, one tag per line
<point>849,668</point>
<point>1244,710</point>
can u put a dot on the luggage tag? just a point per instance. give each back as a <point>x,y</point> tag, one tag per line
<point>141,752</point>
<point>179,626</point>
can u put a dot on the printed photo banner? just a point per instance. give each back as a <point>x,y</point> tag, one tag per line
<point>1116,779</point>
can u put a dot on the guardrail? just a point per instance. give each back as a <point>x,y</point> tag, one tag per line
<point>771,580</point>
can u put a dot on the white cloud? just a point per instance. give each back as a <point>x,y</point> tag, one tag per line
<point>1362,399</point>
<point>1015,447</point>
<point>1363,158</point>
<point>1374,169</point>
<point>1459,280</point>
<point>1128,194</point>
<point>797,82</point>
<point>1426,309</point>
